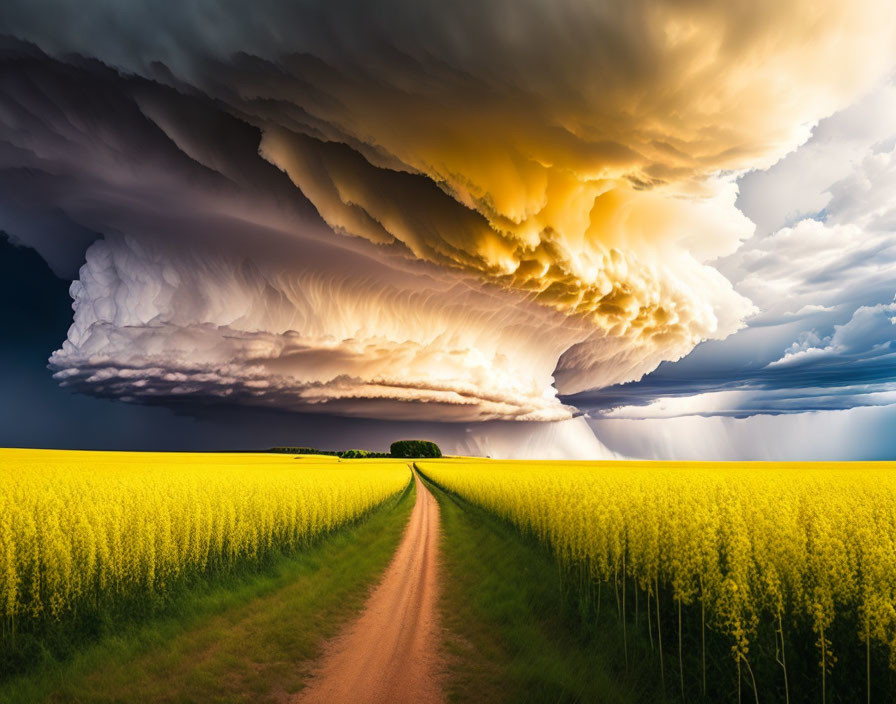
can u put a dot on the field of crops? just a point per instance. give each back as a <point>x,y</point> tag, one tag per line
<point>791,567</point>
<point>84,531</point>
<point>779,579</point>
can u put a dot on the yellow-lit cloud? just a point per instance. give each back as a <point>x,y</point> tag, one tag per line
<point>596,176</point>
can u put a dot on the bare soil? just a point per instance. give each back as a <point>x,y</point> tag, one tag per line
<point>391,653</point>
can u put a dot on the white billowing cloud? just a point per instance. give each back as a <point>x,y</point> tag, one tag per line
<point>870,335</point>
<point>846,257</point>
<point>815,266</point>
<point>837,272</point>
<point>800,185</point>
<point>158,327</point>
<point>866,196</point>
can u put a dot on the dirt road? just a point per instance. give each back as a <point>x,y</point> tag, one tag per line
<point>390,654</point>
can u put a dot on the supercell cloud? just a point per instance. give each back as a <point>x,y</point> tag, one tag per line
<point>406,209</point>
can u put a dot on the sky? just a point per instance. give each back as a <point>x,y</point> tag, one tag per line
<point>571,229</point>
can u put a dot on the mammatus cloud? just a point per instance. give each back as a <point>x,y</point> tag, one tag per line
<point>362,209</point>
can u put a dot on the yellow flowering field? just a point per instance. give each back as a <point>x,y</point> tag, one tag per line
<point>80,530</point>
<point>756,549</point>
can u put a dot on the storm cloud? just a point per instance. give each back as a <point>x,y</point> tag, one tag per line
<point>390,209</point>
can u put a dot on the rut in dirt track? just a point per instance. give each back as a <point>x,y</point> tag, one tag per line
<point>391,653</point>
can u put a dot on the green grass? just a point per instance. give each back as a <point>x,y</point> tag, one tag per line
<point>514,629</point>
<point>245,638</point>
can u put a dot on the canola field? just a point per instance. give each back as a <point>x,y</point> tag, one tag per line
<point>80,531</point>
<point>775,557</point>
<point>786,571</point>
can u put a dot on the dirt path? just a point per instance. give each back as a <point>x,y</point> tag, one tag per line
<point>390,654</point>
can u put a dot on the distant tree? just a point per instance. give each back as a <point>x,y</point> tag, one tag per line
<point>302,451</point>
<point>348,454</point>
<point>354,454</point>
<point>415,449</point>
